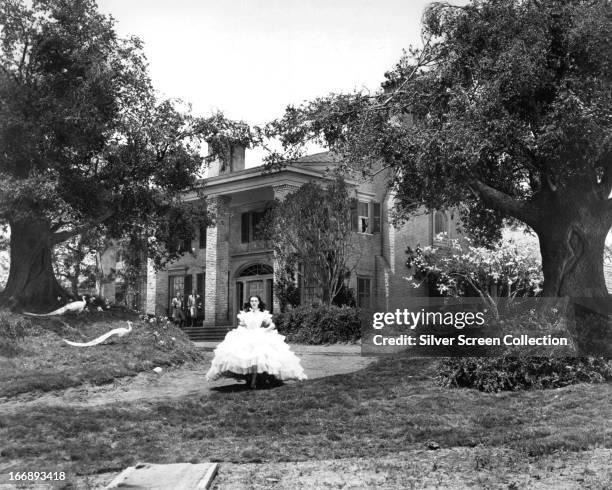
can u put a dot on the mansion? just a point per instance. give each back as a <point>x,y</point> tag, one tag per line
<point>226,263</point>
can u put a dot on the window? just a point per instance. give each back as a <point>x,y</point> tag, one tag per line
<point>441,226</point>
<point>176,286</point>
<point>250,226</point>
<point>365,216</point>
<point>202,237</point>
<point>184,245</point>
<point>257,270</point>
<point>364,292</point>
<point>256,225</point>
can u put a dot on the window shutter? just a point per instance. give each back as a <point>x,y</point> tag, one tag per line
<point>376,218</point>
<point>244,228</point>
<point>354,219</point>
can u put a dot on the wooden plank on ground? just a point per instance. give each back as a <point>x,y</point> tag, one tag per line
<point>178,476</point>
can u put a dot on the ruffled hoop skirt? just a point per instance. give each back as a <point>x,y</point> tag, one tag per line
<point>246,351</point>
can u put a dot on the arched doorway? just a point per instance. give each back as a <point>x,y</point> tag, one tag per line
<point>255,280</point>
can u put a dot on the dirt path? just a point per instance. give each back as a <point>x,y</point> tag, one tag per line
<point>184,381</point>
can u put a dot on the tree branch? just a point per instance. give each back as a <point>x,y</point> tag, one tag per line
<point>421,61</point>
<point>62,236</point>
<point>503,202</point>
<point>23,57</point>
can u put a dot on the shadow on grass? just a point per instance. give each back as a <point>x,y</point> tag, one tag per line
<point>390,406</point>
<point>234,388</point>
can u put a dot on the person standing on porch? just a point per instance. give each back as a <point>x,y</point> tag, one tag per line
<point>192,307</point>
<point>177,310</point>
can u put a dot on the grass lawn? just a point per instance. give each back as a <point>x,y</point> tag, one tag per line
<point>391,407</point>
<point>41,361</point>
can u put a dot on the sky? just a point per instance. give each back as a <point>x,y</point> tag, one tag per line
<point>252,58</point>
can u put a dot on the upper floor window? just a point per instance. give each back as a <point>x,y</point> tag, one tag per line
<point>251,226</point>
<point>441,226</point>
<point>365,216</point>
<point>185,245</point>
<point>363,210</point>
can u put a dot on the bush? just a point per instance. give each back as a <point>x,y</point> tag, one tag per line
<point>320,324</point>
<point>511,373</point>
<point>13,328</point>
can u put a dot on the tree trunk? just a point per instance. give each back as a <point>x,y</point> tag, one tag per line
<point>31,283</point>
<point>572,244</point>
<point>74,282</point>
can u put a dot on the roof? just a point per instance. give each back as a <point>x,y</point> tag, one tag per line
<point>318,158</point>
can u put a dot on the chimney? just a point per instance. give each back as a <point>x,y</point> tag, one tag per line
<point>236,162</point>
<point>237,158</point>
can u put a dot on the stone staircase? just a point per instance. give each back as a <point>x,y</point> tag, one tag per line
<point>207,334</point>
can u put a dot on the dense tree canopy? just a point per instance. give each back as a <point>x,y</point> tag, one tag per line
<point>310,231</point>
<point>85,142</point>
<point>505,111</point>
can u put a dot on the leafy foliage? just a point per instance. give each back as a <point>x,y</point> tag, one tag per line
<point>507,270</point>
<point>75,261</point>
<point>510,373</point>
<point>287,292</point>
<point>504,111</point>
<point>310,231</point>
<point>13,328</point>
<point>319,324</point>
<point>223,135</point>
<point>85,142</point>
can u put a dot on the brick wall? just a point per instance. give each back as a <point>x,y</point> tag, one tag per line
<point>608,276</point>
<point>158,283</point>
<point>216,305</point>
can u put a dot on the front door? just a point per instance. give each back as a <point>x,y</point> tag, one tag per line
<point>255,288</point>
<point>256,280</point>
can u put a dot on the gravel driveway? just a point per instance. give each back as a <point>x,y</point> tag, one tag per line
<point>187,380</point>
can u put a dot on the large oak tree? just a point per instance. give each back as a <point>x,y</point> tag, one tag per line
<point>84,143</point>
<point>505,112</point>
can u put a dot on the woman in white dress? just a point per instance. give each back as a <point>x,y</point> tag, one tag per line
<point>255,347</point>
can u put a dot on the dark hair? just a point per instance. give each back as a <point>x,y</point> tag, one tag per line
<point>247,305</point>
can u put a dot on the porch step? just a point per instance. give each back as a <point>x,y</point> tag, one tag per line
<point>206,334</point>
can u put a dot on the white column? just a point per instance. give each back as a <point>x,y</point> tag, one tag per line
<point>151,288</point>
<point>216,299</point>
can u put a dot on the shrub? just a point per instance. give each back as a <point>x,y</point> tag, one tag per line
<point>320,324</point>
<point>13,328</point>
<point>511,373</point>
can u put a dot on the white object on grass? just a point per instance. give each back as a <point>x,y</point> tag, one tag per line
<point>120,332</point>
<point>75,306</point>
